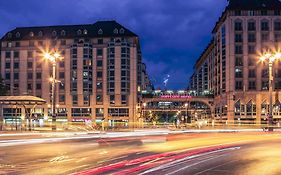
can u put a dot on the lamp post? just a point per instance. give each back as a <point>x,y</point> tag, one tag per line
<point>143,112</point>
<point>270,57</point>
<point>53,58</point>
<point>186,105</point>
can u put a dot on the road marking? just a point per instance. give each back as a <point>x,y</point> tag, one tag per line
<point>168,165</point>
<point>183,168</point>
<point>215,167</point>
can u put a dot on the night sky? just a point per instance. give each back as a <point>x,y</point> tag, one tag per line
<point>173,33</point>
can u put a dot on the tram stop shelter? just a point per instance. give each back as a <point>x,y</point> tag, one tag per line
<point>27,102</point>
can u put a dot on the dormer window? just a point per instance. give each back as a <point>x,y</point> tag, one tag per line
<point>10,35</point>
<point>54,33</point>
<point>31,34</point>
<point>40,33</point>
<point>100,32</point>
<point>122,31</point>
<point>79,32</point>
<point>85,32</point>
<point>115,31</point>
<point>62,33</point>
<point>18,34</point>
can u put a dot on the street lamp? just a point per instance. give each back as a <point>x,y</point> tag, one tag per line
<point>53,57</point>
<point>186,105</point>
<point>270,57</point>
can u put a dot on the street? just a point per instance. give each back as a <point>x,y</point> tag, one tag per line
<point>183,153</point>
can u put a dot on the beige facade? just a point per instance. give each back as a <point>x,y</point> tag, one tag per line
<point>100,73</point>
<point>236,77</point>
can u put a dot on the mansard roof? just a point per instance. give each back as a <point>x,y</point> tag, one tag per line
<point>98,29</point>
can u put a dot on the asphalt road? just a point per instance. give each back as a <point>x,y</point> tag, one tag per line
<point>245,153</point>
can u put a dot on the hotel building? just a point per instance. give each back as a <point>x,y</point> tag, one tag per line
<point>100,75</point>
<point>230,68</point>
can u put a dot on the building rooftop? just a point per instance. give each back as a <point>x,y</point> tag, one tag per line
<point>98,29</point>
<point>254,5</point>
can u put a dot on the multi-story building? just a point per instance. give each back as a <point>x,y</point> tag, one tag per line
<point>236,77</point>
<point>100,73</point>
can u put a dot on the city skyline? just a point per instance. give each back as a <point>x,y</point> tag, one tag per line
<point>168,51</point>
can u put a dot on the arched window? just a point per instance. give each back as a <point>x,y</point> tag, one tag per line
<point>63,33</point>
<point>85,32</point>
<point>115,31</point>
<point>264,108</point>
<point>251,25</point>
<point>100,32</point>
<point>237,109</point>
<point>10,35</point>
<point>18,34</point>
<point>40,33</point>
<point>277,25</point>
<point>251,108</point>
<point>31,34</point>
<point>54,33</point>
<point>122,31</point>
<point>238,25</point>
<point>79,32</point>
<point>264,25</point>
<point>277,108</point>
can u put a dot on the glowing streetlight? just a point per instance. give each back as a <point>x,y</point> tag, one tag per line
<point>53,57</point>
<point>270,57</point>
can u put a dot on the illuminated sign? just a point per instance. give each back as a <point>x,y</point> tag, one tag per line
<point>175,96</point>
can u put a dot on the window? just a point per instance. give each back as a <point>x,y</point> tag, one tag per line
<point>31,44</point>
<point>74,99</point>
<point>252,85</point>
<point>16,54</point>
<point>16,65</point>
<point>99,112</point>
<point>61,64</point>
<point>40,43</point>
<point>79,32</point>
<point>16,76</point>
<point>38,75</point>
<point>238,26</point>
<point>277,37</point>
<point>63,33</point>
<point>31,34</point>
<point>115,31</point>
<point>238,49</point>
<point>252,73</point>
<point>122,31</point>
<point>61,75</point>
<point>40,33</point>
<point>264,12</point>
<point>239,85</point>
<point>112,99</point>
<point>99,52</point>
<point>7,76</point>
<point>238,72</point>
<point>85,32</point>
<point>8,54</point>
<point>277,12</point>
<point>18,34</point>
<point>99,63</point>
<point>251,26</point>
<point>277,25</point>
<point>100,41</point>
<point>238,38</point>
<point>38,86</point>
<point>29,86</point>
<point>61,98</point>
<point>63,42</point>
<point>264,37</point>
<point>29,75</point>
<point>251,13</point>
<point>29,65</point>
<point>17,44</point>
<point>264,85</point>
<point>124,99</point>
<point>99,98</point>
<point>99,85</point>
<point>264,73</point>
<point>251,37</point>
<point>264,26</point>
<point>61,86</point>
<point>99,74</point>
<point>54,33</point>
<point>251,49</point>
<point>100,32</point>
<point>8,65</point>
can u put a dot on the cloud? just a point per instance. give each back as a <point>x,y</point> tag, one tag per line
<point>173,33</point>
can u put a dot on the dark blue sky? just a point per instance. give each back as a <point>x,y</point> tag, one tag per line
<point>173,33</point>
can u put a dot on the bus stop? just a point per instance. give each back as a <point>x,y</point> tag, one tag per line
<point>28,103</point>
